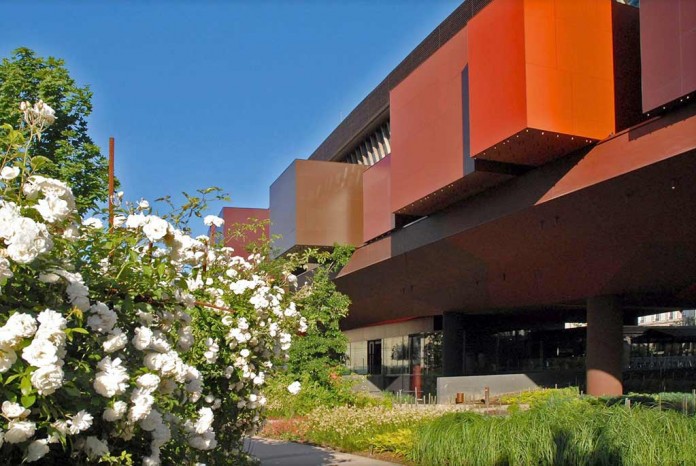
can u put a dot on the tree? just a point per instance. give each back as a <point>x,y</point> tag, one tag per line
<point>74,156</point>
<point>321,353</point>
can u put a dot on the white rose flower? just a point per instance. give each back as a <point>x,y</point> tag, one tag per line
<point>19,431</point>
<point>135,221</point>
<point>205,420</point>
<point>112,378</point>
<point>24,325</point>
<point>211,220</point>
<point>47,379</point>
<point>294,387</point>
<point>81,422</point>
<point>5,271</point>
<point>7,358</point>
<point>142,338</point>
<point>40,353</point>
<point>152,421</point>
<point>102,319</point>
<point>186,339</point>
<point>49,277</point>
<point>9,173</point>
<point>142,405</point>
<point>95,448</point>
<point>53,209</point>
<point>116,412</point>
<point>93,222</point>
<point>12,410</point>
<point>115,341</point>
<point>155,228</point>
<point>37,450</point>
<point>148,382</point>
<point>204,441</point>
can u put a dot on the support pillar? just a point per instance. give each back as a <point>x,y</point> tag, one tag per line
<point>452,344</point>
<point>604,346</point>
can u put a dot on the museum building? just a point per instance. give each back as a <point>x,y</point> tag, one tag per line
<point>519,190</point>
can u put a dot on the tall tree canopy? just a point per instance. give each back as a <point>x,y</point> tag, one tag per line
<point>76,159</point>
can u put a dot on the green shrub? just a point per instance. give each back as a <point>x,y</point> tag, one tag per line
<point>314,394</point>
<point>398,442</point>
<point>538,396</point>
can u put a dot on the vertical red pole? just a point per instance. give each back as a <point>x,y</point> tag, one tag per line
<point>111,182</point>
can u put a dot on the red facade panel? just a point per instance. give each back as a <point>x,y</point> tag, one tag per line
<point>668,50</point>
<point>377,215</point>
<point>236,231</point>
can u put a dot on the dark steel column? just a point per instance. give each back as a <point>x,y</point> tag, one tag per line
<point>604,346</point>
<point>452,344</point>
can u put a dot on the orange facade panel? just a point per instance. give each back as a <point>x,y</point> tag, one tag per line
<point>316,203</point>
<point>541,80</point>
<point>378,218</point>
<point>426,117</point>
<point>244,226</point>
<point>668,50</point>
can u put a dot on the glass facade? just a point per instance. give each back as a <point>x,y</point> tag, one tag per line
<point>655,358</point>
<point>414,359</point>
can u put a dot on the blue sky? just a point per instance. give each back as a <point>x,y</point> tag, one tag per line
<point>219,92</point>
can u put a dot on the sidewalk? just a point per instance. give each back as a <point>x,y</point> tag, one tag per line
<point>279,453</point>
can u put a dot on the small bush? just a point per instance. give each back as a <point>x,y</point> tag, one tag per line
<point>398,442</point>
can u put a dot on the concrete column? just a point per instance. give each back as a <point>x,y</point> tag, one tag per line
<point>604,346</point>
<point>452,344</point>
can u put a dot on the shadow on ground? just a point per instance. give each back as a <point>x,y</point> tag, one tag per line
<point>279,453</point>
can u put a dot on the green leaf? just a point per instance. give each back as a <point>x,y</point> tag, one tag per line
<point>25,385</point>
<point>12,377</point>
<point>39,162</point>
<point>28,400</point>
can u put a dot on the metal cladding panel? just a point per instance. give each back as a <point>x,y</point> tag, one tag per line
<point>668,50</point>
<point>498,107</point>
<point>329,205</point>
<point>427,125</point>
<point>283,203</point>
<point>237,217</point>
<point>377,215</point>
<point>545,65</point>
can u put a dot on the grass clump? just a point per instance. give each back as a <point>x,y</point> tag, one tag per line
<point>562,431</point>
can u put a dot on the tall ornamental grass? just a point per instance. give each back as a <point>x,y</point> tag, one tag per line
<point>560,432</point>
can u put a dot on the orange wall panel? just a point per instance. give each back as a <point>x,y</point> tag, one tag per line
<point>315,203</point>
<point>427,125</point>
<point>328,203</point>
<point>377,215</point>
<point>497,82</point>
<point>541,64</point>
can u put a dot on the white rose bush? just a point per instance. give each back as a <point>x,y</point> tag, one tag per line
<point>131,344</point>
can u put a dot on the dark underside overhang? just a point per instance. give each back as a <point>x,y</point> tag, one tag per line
<point>619,218</point>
